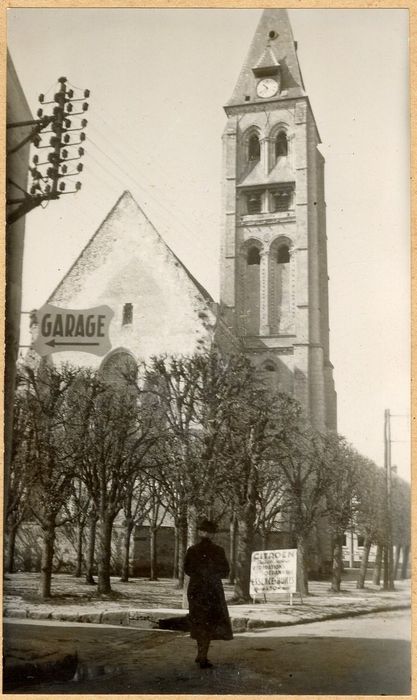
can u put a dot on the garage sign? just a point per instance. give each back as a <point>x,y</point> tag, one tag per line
<point>68,330</point>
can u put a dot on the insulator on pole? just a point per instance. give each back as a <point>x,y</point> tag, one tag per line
<point>41,98</point>
<point>67,138</point>
<point>35,159</point>
<point>70,94</point>
<point>64,169</point>
<point>86,93</point>
<point>78,186</point>
<point>39,113</point>
<point>62,186</point>
<point>67,123</point>
<point>64,153</point>
<point>80,167</point>
<point>81,151</point>
<point>84,123</point>
<point>85,106</point>
<point>82,136</point>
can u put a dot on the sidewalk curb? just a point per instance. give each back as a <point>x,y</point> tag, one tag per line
<point>149,620</point>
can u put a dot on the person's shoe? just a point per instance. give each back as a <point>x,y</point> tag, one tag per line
<point>206,664</point>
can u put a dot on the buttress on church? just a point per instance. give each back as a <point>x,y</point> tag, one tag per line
<point>274,280</point>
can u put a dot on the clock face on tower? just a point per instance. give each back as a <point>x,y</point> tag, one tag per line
<point>268,87</point>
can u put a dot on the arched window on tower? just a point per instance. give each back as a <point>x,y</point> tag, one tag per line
<point>254,150</point>
<point>283,254</point>
<point>281,145</point>
<point>253,257</point>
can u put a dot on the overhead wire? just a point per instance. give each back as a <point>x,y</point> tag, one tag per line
<point>195,242</point>
<point>174,209</point>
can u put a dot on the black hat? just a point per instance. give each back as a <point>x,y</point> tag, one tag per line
<point>207,526</point>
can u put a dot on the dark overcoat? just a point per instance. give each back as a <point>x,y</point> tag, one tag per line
<point>206,564</point>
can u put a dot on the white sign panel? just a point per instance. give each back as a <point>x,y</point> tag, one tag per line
<point>273,571</point>
<point>63,330</point>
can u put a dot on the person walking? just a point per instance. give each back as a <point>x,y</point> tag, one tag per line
<point>206,564</point>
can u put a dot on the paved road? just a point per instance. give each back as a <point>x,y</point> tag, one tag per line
<point>367,655</point>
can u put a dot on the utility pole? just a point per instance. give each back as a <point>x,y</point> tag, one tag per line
<point>49,184</point>
<point>388,584</point>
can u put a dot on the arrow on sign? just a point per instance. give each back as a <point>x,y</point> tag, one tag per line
<point>52,343</point>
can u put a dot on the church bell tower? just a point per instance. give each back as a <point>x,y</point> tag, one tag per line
<point>274,282</point>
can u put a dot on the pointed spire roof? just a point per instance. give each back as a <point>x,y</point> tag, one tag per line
<point>273,46</point>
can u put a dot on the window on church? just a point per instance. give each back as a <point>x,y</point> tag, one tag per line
<point>281,145</point>
<point>283,254</point>
<point>254,257</point>
<point>127,314</point>
<point>254,148</point>
<point>281,199</point>
<point>254,202</point>
<point>361,541</point>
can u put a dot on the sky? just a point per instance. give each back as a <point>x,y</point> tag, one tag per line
<point>158,81</point>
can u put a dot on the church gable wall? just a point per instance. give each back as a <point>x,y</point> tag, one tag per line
<point>157,307</point>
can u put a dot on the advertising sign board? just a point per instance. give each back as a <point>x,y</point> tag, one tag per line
<point>273,571</point>
<point>64,330</point>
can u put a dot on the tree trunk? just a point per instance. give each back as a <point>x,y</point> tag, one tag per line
<point>153,554</point>
<point>404,566</point>
<point>47,557</point>
<point>176,547</point>
<point>376,579</point>
<point>89,578</point>
<point>79,561</point>
<point>388,584</point>
<point>104,555</point>
<point>265,540</point>
<point>360,583</point>
<point>129,525</point>
<point>192,525</point>
<point>11,547</point>
<point>246,531</point>
<point>302,564</point>
<point>232,549</point>
<point>396,561</point>
<point>337,563</point>
<point>182,547</point>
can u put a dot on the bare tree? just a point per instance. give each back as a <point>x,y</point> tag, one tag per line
<point>46,393</point>
<point>19,477</point>
<point>369,508</point>
<point>136,507</point>
<point>341,485</point>
<point>299,454</point>
<point>111,440</point>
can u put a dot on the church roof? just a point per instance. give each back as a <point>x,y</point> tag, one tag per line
<point>272,45</point>
<point>126,199</point>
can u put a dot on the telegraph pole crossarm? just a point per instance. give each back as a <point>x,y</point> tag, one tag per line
<point>50,184</point>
